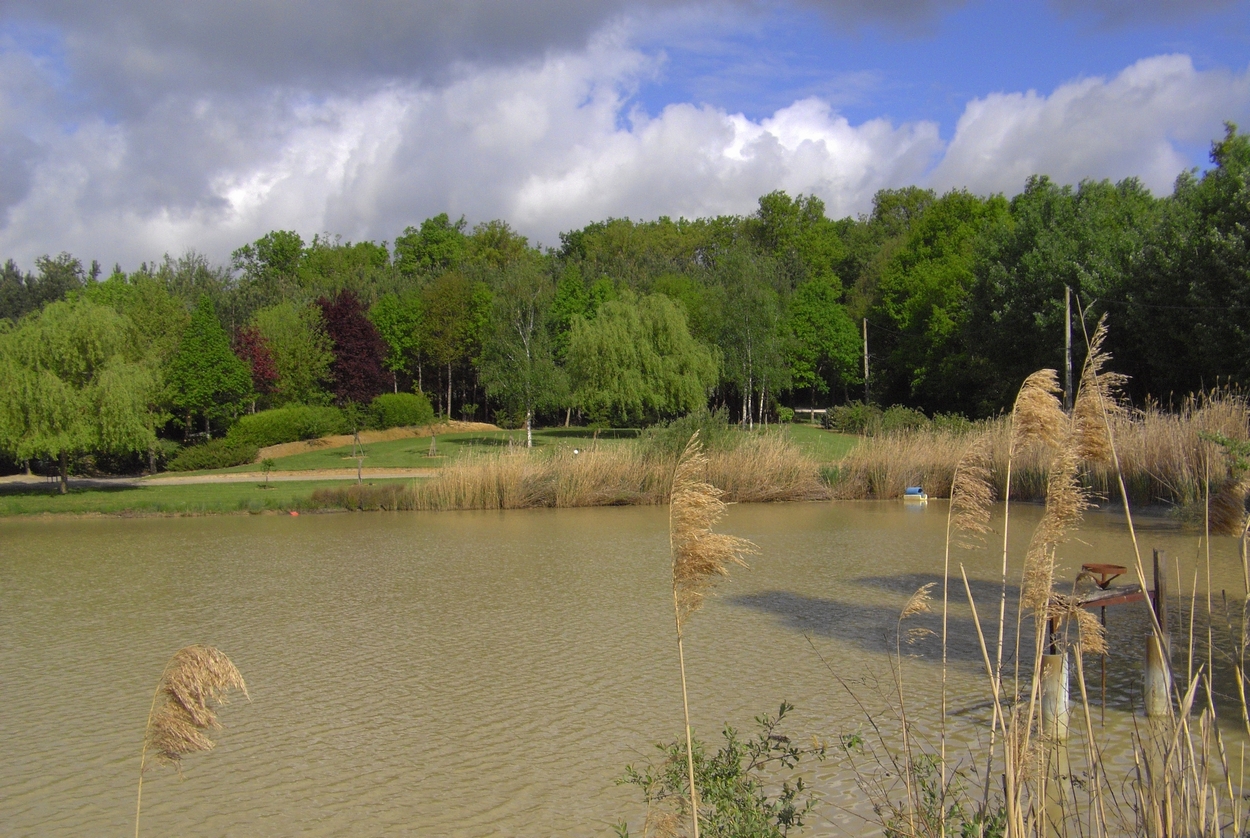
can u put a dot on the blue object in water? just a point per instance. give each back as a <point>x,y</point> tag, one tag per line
<point>914,490</point>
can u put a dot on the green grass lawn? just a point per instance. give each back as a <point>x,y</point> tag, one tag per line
<point>27,499</point>
<point>414,452</point>
<point>821,445</point>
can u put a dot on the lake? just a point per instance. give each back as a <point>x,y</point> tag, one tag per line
<point>468,673</point>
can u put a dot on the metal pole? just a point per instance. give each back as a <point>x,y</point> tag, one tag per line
<point>866,399</point>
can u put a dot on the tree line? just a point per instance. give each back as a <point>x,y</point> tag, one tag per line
<point>632,322</point>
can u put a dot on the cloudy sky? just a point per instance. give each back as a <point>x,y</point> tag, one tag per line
<point>135,128</point>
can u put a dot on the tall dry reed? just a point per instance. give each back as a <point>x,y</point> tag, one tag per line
<point>195,682</point>
<point>761,467</point>
<point>1165,456</point>
<point>699,557</point>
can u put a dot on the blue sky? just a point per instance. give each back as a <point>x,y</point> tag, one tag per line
<point>138,128</point>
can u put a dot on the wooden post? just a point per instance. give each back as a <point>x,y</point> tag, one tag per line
<point>1157,687</point>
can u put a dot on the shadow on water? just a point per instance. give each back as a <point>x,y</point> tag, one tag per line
<point>855,620</point>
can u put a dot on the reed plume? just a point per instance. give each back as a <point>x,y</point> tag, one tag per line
<point>1037,415</point>
<point>196,681</point>
<point>1097,402</point>
<point>699,557</point>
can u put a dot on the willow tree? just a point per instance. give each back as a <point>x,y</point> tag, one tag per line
<point>636,362</point>
<point>71,382</point>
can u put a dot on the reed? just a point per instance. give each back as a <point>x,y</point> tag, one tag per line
<point>1165,455</point>
<point>195,681</point>
<point>762,467</point>
<point>699,556</point>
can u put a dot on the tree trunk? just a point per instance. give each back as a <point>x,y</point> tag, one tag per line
<point>449,391</point>
<point>152,460</point>
<point>568,414</point>
<point>529,429</point>
<point>64,472</point>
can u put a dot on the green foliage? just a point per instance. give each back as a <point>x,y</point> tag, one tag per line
<point>785,414</point>
<point>399,410</point>
<point>751,335</point>
<point>738,790</point>
<point>826,344</point>
<point>156,317</point>
<point>301,352</point>
<point>215,453</point>
<point>287,424</point>
<point>853,418</point>
<point>205,380</point>
<point>438,245</point>
<point>70,382</point>
<point>517,365</point>
<point>668,439</point>
<point>939,807</point>
<point>636,362</point>
<point>398,318</point>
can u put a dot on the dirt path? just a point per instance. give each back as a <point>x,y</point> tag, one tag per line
<point>286,449</point>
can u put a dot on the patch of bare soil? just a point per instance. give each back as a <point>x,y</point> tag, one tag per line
<point>287,449</point>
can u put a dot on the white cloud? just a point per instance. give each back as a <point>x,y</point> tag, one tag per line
<point>548,145</point>
<point>1095,128</point>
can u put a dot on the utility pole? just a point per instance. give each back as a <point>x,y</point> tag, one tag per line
<point>866,400</point>
<point>1067,347</point>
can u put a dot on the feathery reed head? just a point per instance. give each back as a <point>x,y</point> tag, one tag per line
<point>1226,513</point>
<point>699,555</point>
<point>972,493</point>
<point>1037,415</point>
<point>195,682</point>
<point>1091,636</point>
<point>919,602</point>
<point>1066,501</point>
<point>1097,401</point>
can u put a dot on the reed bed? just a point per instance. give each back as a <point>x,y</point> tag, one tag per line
<point>1166,456</point>
<point>762,467</point>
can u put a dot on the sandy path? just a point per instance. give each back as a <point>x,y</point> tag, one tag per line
<point>286,449</point>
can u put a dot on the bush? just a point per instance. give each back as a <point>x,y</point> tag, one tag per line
<point>853,418</point>
<point>397,410</point>
<point>898,418</point>
<point>216,453</point>
<point>670,438</point>
<point>785,414</point>
<point>287,424</point>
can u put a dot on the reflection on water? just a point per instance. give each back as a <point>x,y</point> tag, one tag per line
<point>472,673</point>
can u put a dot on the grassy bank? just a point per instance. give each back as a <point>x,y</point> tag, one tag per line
<point>193,499</point>
<point>758,467</point>
<point>1165,457</point>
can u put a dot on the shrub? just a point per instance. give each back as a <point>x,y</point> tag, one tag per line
<point>397,410</point>
<point>287,424</point>
<point>785,414</point>
<point>670,438</point>
<point>216,453</point>
<point>898,418</point>
<point>853,418</point>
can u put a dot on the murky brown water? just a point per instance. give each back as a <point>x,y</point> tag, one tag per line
<point>464,673</point>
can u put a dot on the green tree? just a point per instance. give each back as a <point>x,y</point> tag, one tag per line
<point>825,348</point>
<point>796,233</point>
<point>923,296</point>
<point>205,380</point>
<point>457,311</point>
<point>636,362</point>
<point>157,318</point>
<point>517,364</point>
<point>398,318</point>
<point>751,337</point>
<point>438,245</point>
<point>70,383</point>
<point>301,352</point>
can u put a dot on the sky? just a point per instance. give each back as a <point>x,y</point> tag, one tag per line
<point>134,129</point>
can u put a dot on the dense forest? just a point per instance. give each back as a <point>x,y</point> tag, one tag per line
<point>629,322</point>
